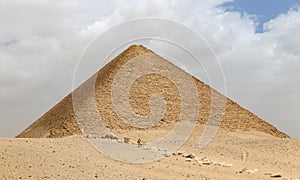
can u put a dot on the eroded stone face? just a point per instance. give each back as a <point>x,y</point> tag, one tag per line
<point>60,120</point>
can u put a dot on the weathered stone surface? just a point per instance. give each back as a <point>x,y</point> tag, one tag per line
<point>60,121</point>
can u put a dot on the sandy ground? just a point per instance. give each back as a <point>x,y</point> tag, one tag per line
<point>75,158</point>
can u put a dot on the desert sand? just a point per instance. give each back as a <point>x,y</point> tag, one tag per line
<point>54,147</point>
<point>75,158</point>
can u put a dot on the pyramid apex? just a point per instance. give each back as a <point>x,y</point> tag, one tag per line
<point>136,46</point>
<point>137,49</point>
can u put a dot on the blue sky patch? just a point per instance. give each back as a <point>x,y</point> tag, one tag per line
<point>265,10</point>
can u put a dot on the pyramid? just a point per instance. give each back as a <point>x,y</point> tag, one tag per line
<point>60,120</point>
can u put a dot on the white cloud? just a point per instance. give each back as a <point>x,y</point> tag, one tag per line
<point>262,72</point>
<point>36,71</point>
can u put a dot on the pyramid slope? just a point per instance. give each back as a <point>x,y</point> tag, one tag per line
<point>60,120</point>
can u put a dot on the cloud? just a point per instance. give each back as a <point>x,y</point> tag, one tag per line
<point>262,72</point>
<point>37,69</point>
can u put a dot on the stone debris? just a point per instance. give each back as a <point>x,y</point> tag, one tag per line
<point>249,171</point>
<point>228,165</point>
<point>166,153</point>
<point>273,175</point>
<point>179,153</point>
<point>185,154</point>
<point>188,159</point>
<point>157,150</point>
<point>146,147</point>
<point>243,170</point>
<point>201,161</point>
<point>223,164</point>
<point>192,156</point>
<point>110,136</point>
<point>276,175</point>
<point>205,161</point>
<point>126,139</point>
<point>139,143</point>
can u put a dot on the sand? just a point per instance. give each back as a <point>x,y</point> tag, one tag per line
<point>75,158</point>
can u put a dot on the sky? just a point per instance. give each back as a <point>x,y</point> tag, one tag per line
<point>257,43</point>
<point>262,10</point>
